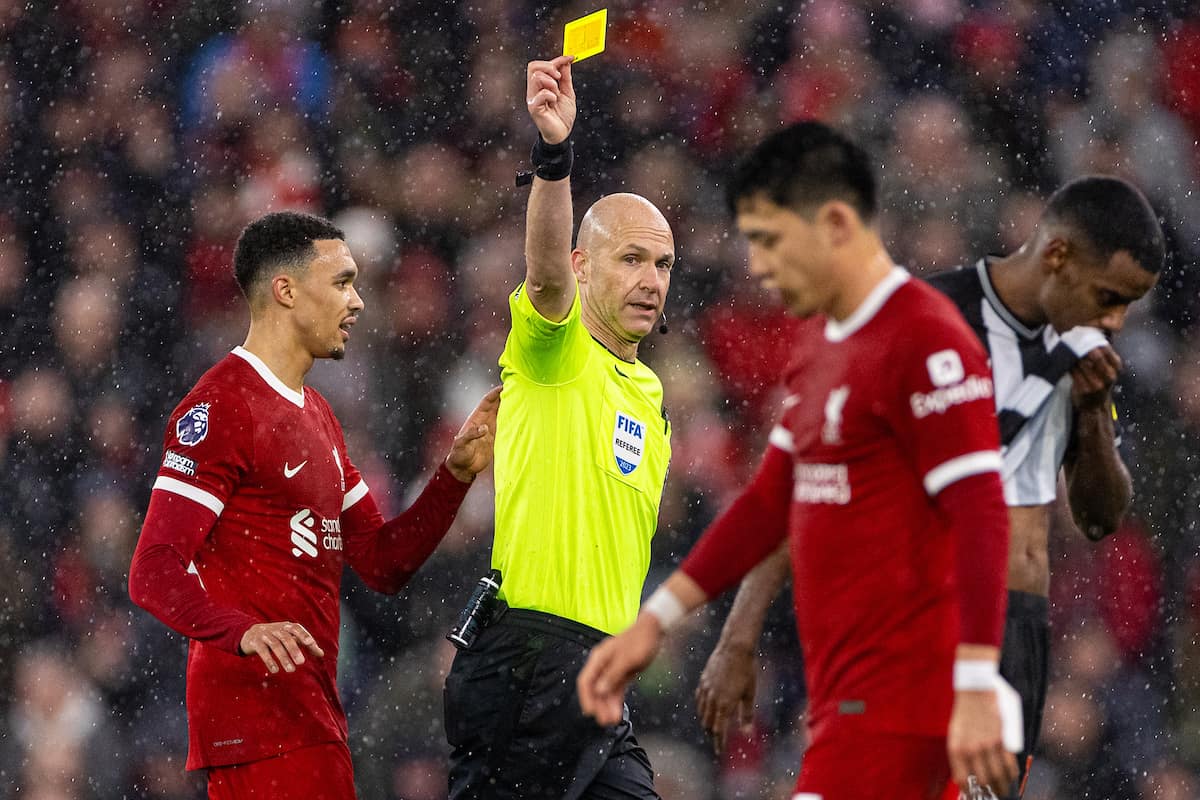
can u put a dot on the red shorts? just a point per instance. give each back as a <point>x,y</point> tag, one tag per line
<point>317,772</point>
<point>850,764</point>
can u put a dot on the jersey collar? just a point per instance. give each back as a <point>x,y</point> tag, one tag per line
<point>841,331</point>
<point>264,372</point>
<point>611,353</point>
<point>1010,319</point>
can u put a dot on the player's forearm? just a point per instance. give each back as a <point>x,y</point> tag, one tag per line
<point>389,556</point>
<point>159,580</point>
<point>758,591</point>
<point>725,554</point>
<point>748,531</point>
<point>978,519</point>
<point>1098,483</point>
<point>677,597</point>
<point>159,583</point>
<point>977,652</point>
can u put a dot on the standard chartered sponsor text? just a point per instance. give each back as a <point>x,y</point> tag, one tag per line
<point>822,483</point>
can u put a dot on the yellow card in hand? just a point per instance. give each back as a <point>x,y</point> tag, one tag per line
<point>584,37</point>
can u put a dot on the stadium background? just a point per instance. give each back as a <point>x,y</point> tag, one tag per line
<point>138,136</point>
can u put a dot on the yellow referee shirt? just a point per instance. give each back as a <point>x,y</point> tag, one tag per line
<point>582,449</point>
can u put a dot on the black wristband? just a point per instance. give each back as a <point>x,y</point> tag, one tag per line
<point>551,162</point>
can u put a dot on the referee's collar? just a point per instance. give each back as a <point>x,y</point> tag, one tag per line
<point>610,352</point>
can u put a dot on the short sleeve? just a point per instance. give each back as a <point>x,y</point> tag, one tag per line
<point>208,447</point>
<point>944,411</point>
<point>545,351</point>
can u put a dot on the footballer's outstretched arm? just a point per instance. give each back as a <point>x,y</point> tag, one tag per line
<point>387,554</point>
<point>619,659</point>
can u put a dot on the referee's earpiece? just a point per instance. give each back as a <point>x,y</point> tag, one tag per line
<point>662,323</point>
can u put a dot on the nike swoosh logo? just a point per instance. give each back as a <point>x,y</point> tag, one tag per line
<point>287,473</point>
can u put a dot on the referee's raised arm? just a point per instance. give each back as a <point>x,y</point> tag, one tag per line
<point>549,279</point>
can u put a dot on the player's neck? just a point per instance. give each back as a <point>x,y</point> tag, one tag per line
<point>284,358</point>
<point>1017,280</point>
<point>858,281</point>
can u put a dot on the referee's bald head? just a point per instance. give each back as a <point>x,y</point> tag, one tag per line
<point>614,213</point>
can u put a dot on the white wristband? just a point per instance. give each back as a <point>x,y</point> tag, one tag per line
<point>1012,716</point>
<point>665,607</point>
<point>975,675</point>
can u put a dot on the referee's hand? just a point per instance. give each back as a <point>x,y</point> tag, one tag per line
<point>612,664</point>
<point>550,96</point>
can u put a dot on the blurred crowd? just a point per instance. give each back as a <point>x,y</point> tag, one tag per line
<point>139,136</point>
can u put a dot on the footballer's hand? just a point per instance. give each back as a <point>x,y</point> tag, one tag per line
<point>550,97</point>
<point>725,692</point>
<point>279,644</point>
<point>612,664</point>
<point>1092,378</point>
<point>475,443</point>
<point>975,743</point>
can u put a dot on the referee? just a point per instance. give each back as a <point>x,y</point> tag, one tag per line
<point>582,448</point>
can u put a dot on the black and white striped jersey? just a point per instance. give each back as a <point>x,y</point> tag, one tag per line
<point>1031,372</point>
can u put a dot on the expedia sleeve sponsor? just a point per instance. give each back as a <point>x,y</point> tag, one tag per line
<point>975,387</point>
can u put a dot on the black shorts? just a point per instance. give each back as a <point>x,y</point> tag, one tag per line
<point>1025,663</point>
<point>514,722</point>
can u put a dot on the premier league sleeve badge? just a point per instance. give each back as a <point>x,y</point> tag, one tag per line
<point>192,427</point>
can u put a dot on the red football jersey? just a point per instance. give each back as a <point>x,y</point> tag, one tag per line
<point>885,409</point>
<point>271,463</point>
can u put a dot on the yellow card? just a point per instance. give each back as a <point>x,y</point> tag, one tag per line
<point>584,37</point>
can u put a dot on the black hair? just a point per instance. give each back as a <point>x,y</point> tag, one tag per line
<point>1109,215</point>
<point>280,239</point>
<point>803,166</point>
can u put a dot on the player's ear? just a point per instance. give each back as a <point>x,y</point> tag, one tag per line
<point>1054,254</point>
<point>283,290</point>
<point>838,221</point>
